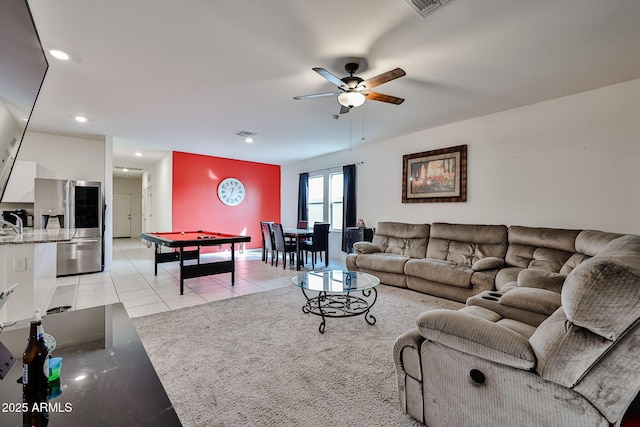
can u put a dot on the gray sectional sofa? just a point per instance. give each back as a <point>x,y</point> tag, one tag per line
<point>549,335</point>
<point>459,261</point>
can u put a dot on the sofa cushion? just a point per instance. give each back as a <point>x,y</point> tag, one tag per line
<point>535,257</point>
<point>553,238</point>
<point>565,351</point>
<point>487,263</point>
<point>382,262</point>
<point>481,312</point>
<point>366,248</point>
<point>507,276</point>
<point>588,244</point>
<point>591,242</point>
<point>542,248</point>
<point>519,327</point>
<point>466,243</point>
<point>603,293</point>
<point>439,271</point>
<point>532,278</point>
<point>402,239</point>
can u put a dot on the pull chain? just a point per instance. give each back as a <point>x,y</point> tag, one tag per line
<point>350,130</point>
<point>363,138</point>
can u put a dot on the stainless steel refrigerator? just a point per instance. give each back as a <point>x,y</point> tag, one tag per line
<point>77,206</point>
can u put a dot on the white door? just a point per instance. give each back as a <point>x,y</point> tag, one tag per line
<point>122,215</point>
<point>147,227</point>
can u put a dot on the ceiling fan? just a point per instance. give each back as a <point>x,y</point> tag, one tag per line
<point>353,91</point>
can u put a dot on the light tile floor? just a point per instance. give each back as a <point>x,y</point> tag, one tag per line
<point>132,281</point>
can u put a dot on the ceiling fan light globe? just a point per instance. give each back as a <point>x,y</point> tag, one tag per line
<point>351,99</point>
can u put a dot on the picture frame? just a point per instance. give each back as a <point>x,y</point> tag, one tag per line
<point>435,176</point>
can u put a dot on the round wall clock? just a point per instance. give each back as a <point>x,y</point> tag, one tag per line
<point>231,191</point>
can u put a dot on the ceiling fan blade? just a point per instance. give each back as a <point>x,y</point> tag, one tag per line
<point>375,96</point>
<point>316,95</point>
<point>327,75</point>
<point>382,78</point>
<point>344,109</point>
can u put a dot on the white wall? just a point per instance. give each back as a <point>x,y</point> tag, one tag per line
<point>8,126</point>
<point>65,157</point>
<point>157,183</point>
<point>571,162</point>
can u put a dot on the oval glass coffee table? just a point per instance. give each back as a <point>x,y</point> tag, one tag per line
<point>340,294</point>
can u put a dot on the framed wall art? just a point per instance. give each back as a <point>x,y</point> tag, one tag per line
<point>435,176</point>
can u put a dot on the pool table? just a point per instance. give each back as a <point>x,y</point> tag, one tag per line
<point>180,240</point>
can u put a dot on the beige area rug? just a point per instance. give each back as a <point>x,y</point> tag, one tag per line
<point>258,360</point>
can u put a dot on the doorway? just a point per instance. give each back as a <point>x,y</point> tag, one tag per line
<point>121,215</point>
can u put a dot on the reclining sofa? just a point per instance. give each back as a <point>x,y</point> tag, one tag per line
<point>552,342</point>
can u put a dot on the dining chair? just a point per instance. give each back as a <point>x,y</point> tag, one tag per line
<point>268,245</point>
<point>282,245</point>
<point>301,225</point>
<point>318,243</point>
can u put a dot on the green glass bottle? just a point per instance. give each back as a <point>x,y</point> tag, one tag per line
<point>35,360</point>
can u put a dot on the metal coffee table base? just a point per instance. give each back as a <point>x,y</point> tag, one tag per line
<point>341,305</point>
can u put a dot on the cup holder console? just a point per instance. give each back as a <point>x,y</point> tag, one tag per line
<point>492,296</point>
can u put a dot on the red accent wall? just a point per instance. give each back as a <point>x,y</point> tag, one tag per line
<point>195,195</point>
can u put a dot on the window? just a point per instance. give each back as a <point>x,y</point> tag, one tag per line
<point>335,200</point>
<point>316,199</point>
<point>325,199</point>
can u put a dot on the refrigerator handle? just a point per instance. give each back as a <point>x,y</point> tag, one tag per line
<point>69,221</point>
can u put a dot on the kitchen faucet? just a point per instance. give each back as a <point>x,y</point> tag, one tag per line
<point>17,227</point>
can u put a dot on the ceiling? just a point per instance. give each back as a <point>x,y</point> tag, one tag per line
<point>161,75</point>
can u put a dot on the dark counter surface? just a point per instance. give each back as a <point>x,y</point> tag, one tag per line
<point>106,379</point>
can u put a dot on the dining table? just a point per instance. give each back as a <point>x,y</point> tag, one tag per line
<point>298,235</point>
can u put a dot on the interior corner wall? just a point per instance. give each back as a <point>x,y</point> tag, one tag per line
<point>570,162</point>
<point>107,191</point>
<point>157,196</point>
<point>195,201</point>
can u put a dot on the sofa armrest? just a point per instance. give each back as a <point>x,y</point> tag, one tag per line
<point>487,263</point>
<point>532,299</point>
<point>406,353</point>
<point>366,248</point>
<point>532,278</point>
<point>478,337</point>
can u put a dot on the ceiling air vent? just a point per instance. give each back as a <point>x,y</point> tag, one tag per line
<point>423,7</point>
<point>246,134</point>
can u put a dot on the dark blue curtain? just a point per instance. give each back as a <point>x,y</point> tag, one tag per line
<point>349,216</point>
<point>303,197</point>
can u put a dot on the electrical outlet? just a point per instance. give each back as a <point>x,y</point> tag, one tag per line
<point>19,264</point>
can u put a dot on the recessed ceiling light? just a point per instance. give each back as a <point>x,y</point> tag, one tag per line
<point>81,119</point>
<point>125,170</point>
<point>58,54</point>
<point>138,154</point>
<point>249,140</point>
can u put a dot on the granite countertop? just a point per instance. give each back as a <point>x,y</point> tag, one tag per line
<point>10,237</point>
